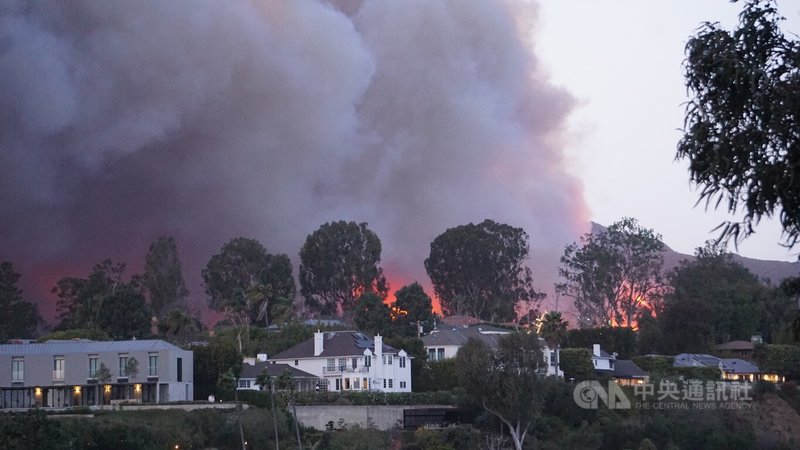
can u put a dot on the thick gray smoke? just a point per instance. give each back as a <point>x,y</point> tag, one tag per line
<point>121,121</point>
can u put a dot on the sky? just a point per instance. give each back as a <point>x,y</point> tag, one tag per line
<point>121,122</point>
<point>622,60</point>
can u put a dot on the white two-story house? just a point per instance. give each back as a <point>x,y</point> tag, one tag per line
<point>350,361</point>
<point>444,342</point>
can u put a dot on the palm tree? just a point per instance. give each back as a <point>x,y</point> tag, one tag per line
<point>553,329</point>
<point>271,307</point>
<point>263,379</point>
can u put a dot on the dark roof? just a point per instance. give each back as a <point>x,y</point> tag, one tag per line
<point>62,347</point>
<point>459,336</point>
<point>738,366</point>
<point>735,345</point>
<point>275,370</point>
<point>625,368</point>
<point>335,343</point>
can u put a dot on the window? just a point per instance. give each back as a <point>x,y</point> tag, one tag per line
<point>330,365</point>
<point>347,384</point>
<point>390,382</point>
<point>355,363</point>
<point>58,368</point>
<point>342,364</point>
<point>296,362</point>
<point>403,361</point>
<point>440,354</point>
<point>431,354</point>
<point>180,369</point>
<point>244,384</point>
<point>553,358</point>
<point>92,367</point>
<point>17,369</point>
<point>402,385</point>
<point>364,384</point>
<point>153,366</point>
<point>355,383</point>
<point>338,384</point>
<point>123,362</point>
<point>389,359</point>
<point>322,385</point>
<point>367,360</point>
<point>384,383</point>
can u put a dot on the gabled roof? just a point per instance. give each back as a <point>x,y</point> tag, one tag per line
<point>735,345</point>
<point>58,347</point>
<point>736,365</point>
<point>625,368</point>
<point>459,336</point>
<point>335,343</point>
<point>275,370</point>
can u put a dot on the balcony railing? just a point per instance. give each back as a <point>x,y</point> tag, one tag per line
<point>58,375</point>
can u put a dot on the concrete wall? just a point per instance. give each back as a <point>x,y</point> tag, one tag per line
<point>383,417</point>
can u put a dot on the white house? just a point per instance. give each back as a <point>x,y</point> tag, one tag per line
<point>253,367</point>
<point>350,361</point>
<point>623,371</point>
<point>444,343</point>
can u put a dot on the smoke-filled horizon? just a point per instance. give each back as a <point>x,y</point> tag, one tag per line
<point>124,121</point>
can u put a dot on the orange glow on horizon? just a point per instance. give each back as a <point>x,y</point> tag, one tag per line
<point>397,283</point>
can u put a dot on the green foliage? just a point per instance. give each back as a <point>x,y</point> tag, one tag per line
<point>477,270</point>
<point>181,328</point>
<point>80,333</point>
<point>30,431</point>
<point>439,376</point>
<point>620,340</point>
<point>163,277</point>
<point>553,329</point>
<point>418,308</point>
<point>713,300</point>
<point>780,359</point>
<point>218,357</point>
<point>506,381</point>
<point>613,275</point>
<point>372,315</point>
<point>338,263</point>
<point>577,363</point>
<point>273,342</point>
<point>358,438</point>
<point>742,124</point>
<point>12,305</point>
<point>243,264</point>
<point>103,301</point>
<point>654,364</point>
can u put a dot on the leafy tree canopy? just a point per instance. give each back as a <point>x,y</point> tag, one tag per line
<point>742,124</point>
<point>163,277</point>
<point>12,305</point>
<point>244,266</point>
<point>413,307</point>
<point>506,381</point>
<point>338,263</point>
<point>372,315</point>
<point>613,275</point>
<point>477,270</point>
<point>103,301</point>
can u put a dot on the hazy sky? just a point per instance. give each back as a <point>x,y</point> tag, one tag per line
<point>623,59</point>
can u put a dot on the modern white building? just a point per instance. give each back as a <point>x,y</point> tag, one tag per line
<point>444,342</point>
<point>59,374</point>
<point>350,361</point>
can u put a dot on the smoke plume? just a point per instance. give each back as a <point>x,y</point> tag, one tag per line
<point>123,121</point>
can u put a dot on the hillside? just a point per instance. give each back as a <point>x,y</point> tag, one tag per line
<point>773,271</point>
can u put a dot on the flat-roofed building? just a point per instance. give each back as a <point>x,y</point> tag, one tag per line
<point>59,374</point>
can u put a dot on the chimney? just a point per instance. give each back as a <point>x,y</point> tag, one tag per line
<point>318,343</point>
<point>596,349</point>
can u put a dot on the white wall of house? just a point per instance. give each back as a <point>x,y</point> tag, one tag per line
<point>386,373</point>
<point>601,362</point>
<point>441,352</point>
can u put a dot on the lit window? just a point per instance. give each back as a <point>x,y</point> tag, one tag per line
<point>17,369</point>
